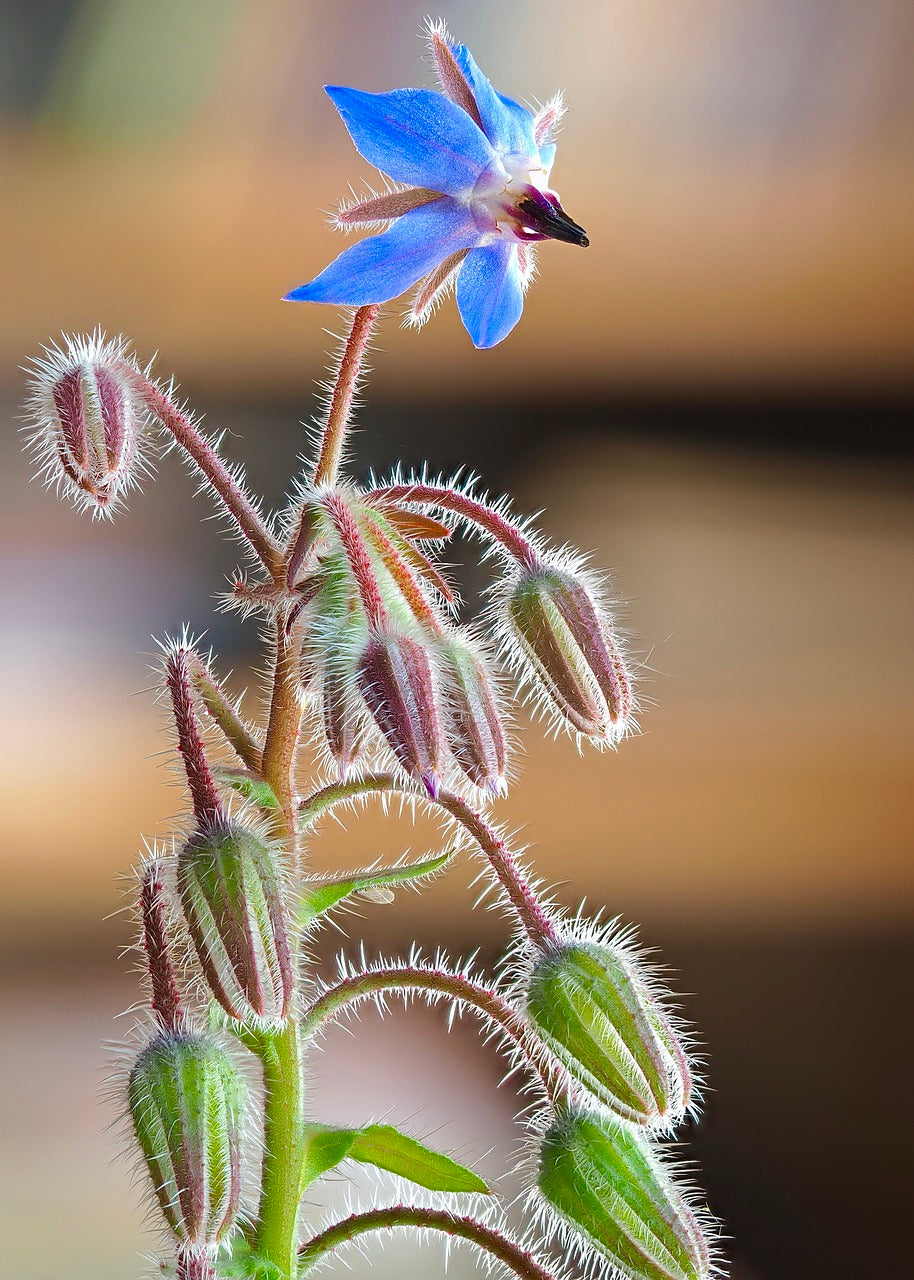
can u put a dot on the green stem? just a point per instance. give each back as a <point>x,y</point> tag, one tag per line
<point>284,1148</point>
<point>519,1261</point>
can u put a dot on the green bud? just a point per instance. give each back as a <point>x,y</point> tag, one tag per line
<point>230,890</point>
<point>608,1184</point>
<point>186,1100</point>
<point>569,646</point>
<point>589,1005</point>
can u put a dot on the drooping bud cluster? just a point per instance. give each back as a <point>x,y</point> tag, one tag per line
<point>591,1007</point>
<point>607,1183</point>
<point>85,421</point>
<point>186,1101</point>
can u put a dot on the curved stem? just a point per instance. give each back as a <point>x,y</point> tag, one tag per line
<point>233,496</point>
<point>333,436</point>
<point>438,983</point>
<point>521,1262</point>
<point>525,902</point>
<point>478,513</point>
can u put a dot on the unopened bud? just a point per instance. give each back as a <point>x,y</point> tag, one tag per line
<point>607,1182</point>
<point>591,1007</point>
<point>343,714</point>
<point>231,894</point>
<point>186,1100</point>
<point>395,679</point>
<point>472,723</point>
<point>86,420</point>
<point>572,651</point>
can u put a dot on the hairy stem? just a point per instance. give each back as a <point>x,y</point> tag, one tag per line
<point>402,979</point>
<point>521,1262</point>
<point>222,711</point>
<point>333,436</point>
<point>487,518</point>
<point>233,496</point>
<point>284,1148</point>
<point>281,1052</point>
<point>525,902</point>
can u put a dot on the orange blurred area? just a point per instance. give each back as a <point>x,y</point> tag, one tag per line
<point>715,399</point>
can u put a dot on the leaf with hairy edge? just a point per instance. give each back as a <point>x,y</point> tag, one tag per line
<point>250,787</point>
<point>320,896</point>
<point>386,1148</point>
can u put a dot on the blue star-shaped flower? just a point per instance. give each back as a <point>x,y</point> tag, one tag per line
<point>476,167</point>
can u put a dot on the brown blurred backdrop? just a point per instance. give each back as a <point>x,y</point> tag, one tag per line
<point>715,398</point>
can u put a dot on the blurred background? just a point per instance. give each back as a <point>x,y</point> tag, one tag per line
<point>716,398</point>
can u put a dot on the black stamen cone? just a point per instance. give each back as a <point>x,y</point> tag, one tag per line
<point>552,221</point>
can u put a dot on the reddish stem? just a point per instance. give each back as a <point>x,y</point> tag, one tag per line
<point>358,557</point>
<point>333,436</point>
<point>471,509</point>
<point>207,805</point>
<point>525,902</point>
<point>518,1260</point>
<point>166,1000</point>
<point>235,499</point>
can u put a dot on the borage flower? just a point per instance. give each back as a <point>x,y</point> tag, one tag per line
<point>477,167</point>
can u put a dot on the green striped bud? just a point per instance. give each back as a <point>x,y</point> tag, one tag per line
<point>230,891</point>
<point>591,1008</point>
<point>186,1100</point>
<point>571,649</point>
<point>608,1184</point>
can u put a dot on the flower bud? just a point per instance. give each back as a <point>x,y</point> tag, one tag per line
<point>395,679</point>
<point>186,1100</point>
<point>591,1008</point>
<point>607,1182</point>
<point>343,714</point>
<point>86,420</point>
<point>472,724</point>
<point>230,890</point>
<point>572,651</point>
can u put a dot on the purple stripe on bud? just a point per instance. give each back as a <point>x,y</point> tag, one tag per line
<point>471,718</point>
<point>395,679</point>
<point>572,651</point>
<point>93,417</point>
<point>230,889</point>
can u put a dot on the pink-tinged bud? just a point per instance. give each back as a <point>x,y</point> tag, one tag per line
<point>344,714</point>
<point>231,894</point>
<point>472,723</point>
<point>86,421</point>
<point>572,651</point>
<point>395,679</point>
<point>187,1101</point>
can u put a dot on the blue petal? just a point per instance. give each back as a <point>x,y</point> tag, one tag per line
<point>416,136</point>
<point>507,125</point>
<point>547,156</point>
<point>383,266</point>
<point>489,293</point>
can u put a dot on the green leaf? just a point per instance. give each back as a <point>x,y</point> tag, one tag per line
<point>386,1148</point>
<point>321,895</point>
<point>250,787</point>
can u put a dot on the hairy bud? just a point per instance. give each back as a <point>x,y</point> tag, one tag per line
<point>589,1005</point>
<point>85,421</point>
<point>608,1184</point>
<point>187,1100</point>
<point>231,894</point>
<point>572,651</point>
<point>472,723</point>
<point>395,679</point>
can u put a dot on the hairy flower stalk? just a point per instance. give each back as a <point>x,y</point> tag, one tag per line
<point>369,660</point>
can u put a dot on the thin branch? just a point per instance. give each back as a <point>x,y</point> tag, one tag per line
<point>437,983</point>
<point>223,712</point>
<point>333,436</point>
<point>478,513</point>
<point>236,501</point>
<point>525,902</point>
<point>518,1260</point>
